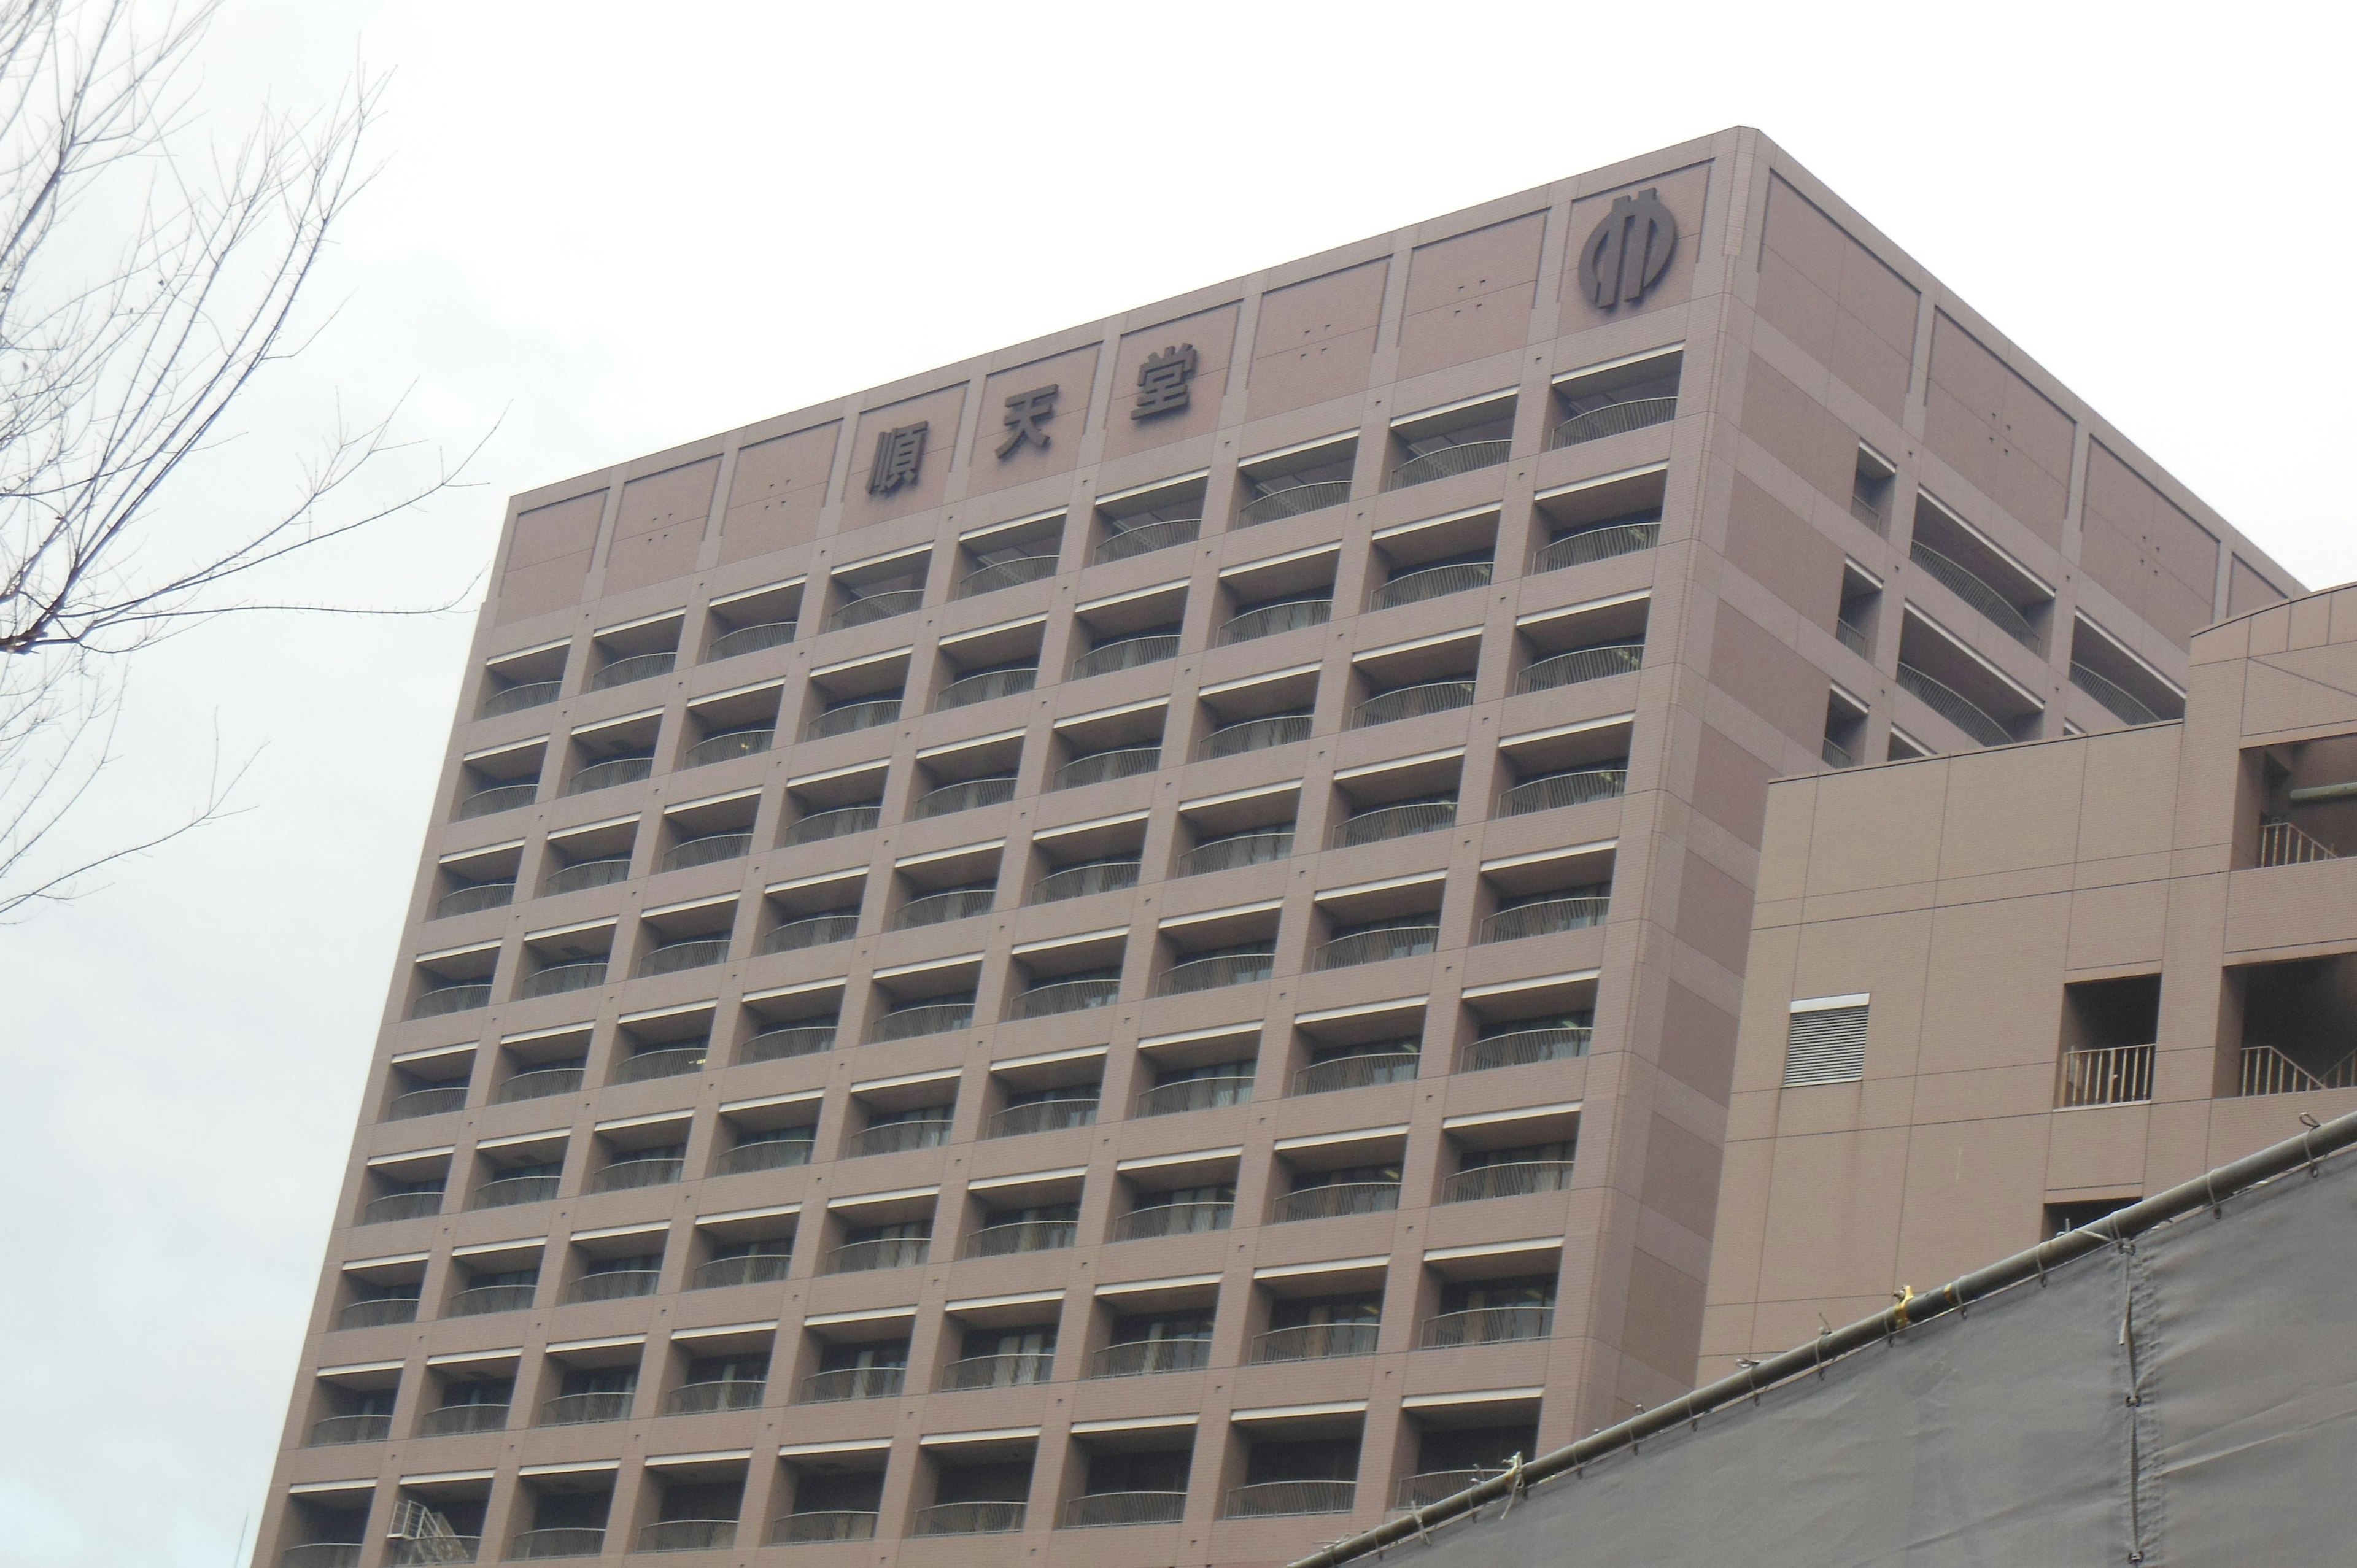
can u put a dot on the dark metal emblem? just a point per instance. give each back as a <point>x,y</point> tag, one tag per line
<point>1629,250</point>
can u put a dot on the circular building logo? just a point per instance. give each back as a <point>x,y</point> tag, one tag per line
<point>1629,250</point>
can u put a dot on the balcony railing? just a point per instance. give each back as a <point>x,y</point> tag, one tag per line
<point>582,975</point>
<point>1007,1372</point>
<point>1594,544</point>
<point>1063,996</point>
<point>1412,702</point>
<point>379,1312</point>
<point>751,639</point>
<point>998,574</point>
<point>872,608</point>
<point>1403,821</point>
<point>1486,1326</point>
<point>1021,1236</point>
<point>850,717</point>
<point>585,873</point>
<point>727,745</point>
<point>1219,969</point>
<point>587,1410</point>
<point>1581,664</point>
<point>1194,1094</point>
<point>454,1420</point>
<point>689,952</point>
<point>2122,706</point>
<point>1377,946</point>
<point>1423,1491</point>
<point>822,1524</point>
<point>1516,1180</point>
<point>1147,1357</point>
<point>395,1206</point>
<point>1523,1048</point>
<point>1080,881</point>
<point>841,821</point>
<point>1554,792</point>
<point>709,850</point>
<point>764,1154</point>
<point>506,1192</point>
<point>1449,461</point>
<point>338,1430</point>
<point>926,1018</point>
<point>1173,1219</point>
<point>789,1040</point>
<point>498,798</point>
<point>457,998</point>
<point>745,1269</point>
<point>613,1284</point>
<point>1967,585</point>
<point>1147,538</point>
<point>1129,653</point>
<point>1335,1200</point>
<point>536,1544</point>
<point>1255,734</point>
<point>478,1301</point>
<point>321,1554</point>
<point>1432,583</point>
<point>523,694</point>
<point>637,667</point>
<point>538,1083</point>
<point>626,1175</point>
<point>966,795</point>
<point>1314,1342</point>
<point>1270,621</point>
<point>703,1399</point>
<point>1292,502</point>
<point>970,1519</point>
<point>608,774</point>
<point>687,1535</point>
<point>1614,419</point>
<point>1241,849</point>
<point>939,908</point>
<point>2267,1070</point>
<point>886,1253</point>
<point>2110,1075</point>
<point>900,1137</point>
<point>1952,705</point>
<point>1544,918</point>
<point>1041,1116</point>
<point>1099,767</point>
<point>854,1383</point>
<point>1286,1500</point>
<point>1835,754</point>
<point>1852,636</point>
<point>984,686</point>
<point>1092,1511</point>
<point>473,899</point>
<point>1362,1071</point>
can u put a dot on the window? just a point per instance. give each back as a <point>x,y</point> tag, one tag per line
<point>1825,1041</point>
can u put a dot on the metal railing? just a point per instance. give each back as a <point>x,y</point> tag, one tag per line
<point>729,745</point>
<point>473,899</point>
<point>926,1018</point>
<point>872,608</point>
<point>1272,620</point>
<point>689,952</point>
<point>1129,653</point>
<point>764,1154</point>
<point>939,908</point>
<point>1554,792</point>
<point>613,1284</point>
<point>538,1083</point>
<point>1239,849</point>
<point>1403,821</point>
<point>581,974</point>
<point>964,796</point>
<point>1835,754</point>
<point>337,1430</point>
<point>610,773</point>
<point>1210,974</point>
<point>822,1524</point>
<point>1335,1200</point>
<point>709,850</point>
<point>687,1535</point>
<point>506,1192</point>
<point>1874,513</point>
<point>1523,1048</point>
<point>1194,1094</point>
<point>585,873</point>
<point>1516,1180</point>
<point>2109,1074</point>
<point>1286,1499</point>
<point>1147,1357</point>
<point>379,1312</point>
<point>2286,843</point>
<point>457,998</point>
<point>587,1410</point>
<point>1314,1342</point>
<point>533,1544</point>
<point>900,1137</point>
<point>992,1517</point>
<point>1594,544</point>
<point>1485,1325</point>
<point>498,798</point>
<point>2122,706</point>
<point>1041,1116</point>
<point>751,639</point>
<point>792,1040</point>
<point>2267,1070</point>
<point>1449,461</point>
<point>1544,918</point>
<point>321,1554</point>
<point>984,686</point>
<point>1080,881</point>
<point>998,574</point>
<point>1375,947</point>
<point>1010,1371</point>
<point>745,1269</point>
<point>432,1101</point>
<point>1173,1219</point>
<point>1967,585</point>
<point>1092,1511</point>
<point>850,717</point>
<point>1412,702</point>
<point>395,1206</point>
<point>1063,996</point>
<point>1292,502</point>
<point>1579,664</point>
<point>1099,767</point>
<point>842,822</point>
<point>1421,1491</point>
<point>1954,707</point>
<point>455,1420</point>
<point>702,1399</point>
<point>854,1383</point>
<point>626,1175</point>
<point>523,694</point>
<point>1021,1236</point>
<point>1147,538</point>
<point>1363,1071</point>
<point>1852,636</point>
<point>637,667</point>
<point>1614,419</point>
<point>1432,583</point>
<point>1255,734</point>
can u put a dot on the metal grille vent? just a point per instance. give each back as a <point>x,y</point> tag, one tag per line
<point>1826,1043</point>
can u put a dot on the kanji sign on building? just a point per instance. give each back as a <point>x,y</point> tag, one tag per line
<point>1026,413</point>
<point>899,458</point>
<point>1163,380</point>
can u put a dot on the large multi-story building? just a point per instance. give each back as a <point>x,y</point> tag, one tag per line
<point>1133,948</point>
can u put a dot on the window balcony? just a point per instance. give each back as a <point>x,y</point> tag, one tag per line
<point>478,1301</point>
<point>1150,1357</point>
<point>458,998</point>
<point>1274,620</point>
<point>751,639</point>
<point>1195,1095</point>
<point>1357,1072</point>
<point>874,607</point>
<point>613,1284</point>
<point>1852,636</point>
<point>1148,538</point>
<point>1129,653</point>
<point>966,795</point>
<point>1064,996</point>
<point>2110,1075</point>
<point>924,1018</point>
<point>1525,1048</point>
<point>1092,1511</point>
<point>1239,849</point>
<point>381,1312</point>
<point>507,1192</point>
<point>583,875</point>
<point>628,1175</point>
<point>1292,502</point>
<point>1516,1180</point>
<point>1021,1236</point>
<point>1314,1342</point>
<point>850,717</point>
<point>474,899</point>
<point>2123,705</point>
<point>939,908</point>
<point>1100,767</point>
<point>1954,707</point>
<point>1590,545</point>
<point>1581,664</point>
<point>498,798</point>
<point>456,1420</point>
<point>587,1410</point>
<point>983,686</point>
<point>435,1102</point>
<point>1173,1219</point>
<point>1546,917</point>
<point>1255,734</point>
<point>693,952</point>
<point>1412,702</point>
<point>1967,585</point>
<point>1486,1326</point>
<point>727,745</point>
<point>764,1154</point>
<point>1042,1116</point>
<point>524,694</point>
<point>1423,1491</point>
<point>538,1083</point>
<point>687,1535</point>
<point>1448,461</point>
<point>1613,419</point>
<point>1011,1370</point>
<point>888,1253</point>
<point>559,978</point>
<point>746,1269</point>
<point>1335,1200</point>
<point>395,1206</point>
<point>1290,1500</point>
<point>822,1525</point>
<point>1553,792</point>
<point>900,1137</point>
<point>709,850</point>
<point>534,1545</point>
<point>1081,881</point>
<point>610,774</point>
<point>636,668</point>
<point>703,1399</point>
<point>970,1519</point>
<point>673,1061</point>
<point>841,823</point>
<point>1432,583</point>
<point>1377,946</point>
<point>1216,971</point>
<point>790,1041</point>
<point>2267,1070</point>
<point>1012,574</point>
<point>1397,821</point>
<point>321,1554</point>
<point>338,1430</point>
<point>854,1383</point>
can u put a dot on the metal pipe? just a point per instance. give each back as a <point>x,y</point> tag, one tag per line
<point>2203,1192</point>
<point>2315,793</point>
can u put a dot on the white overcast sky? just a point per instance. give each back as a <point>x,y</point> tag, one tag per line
<point>621,227</point>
